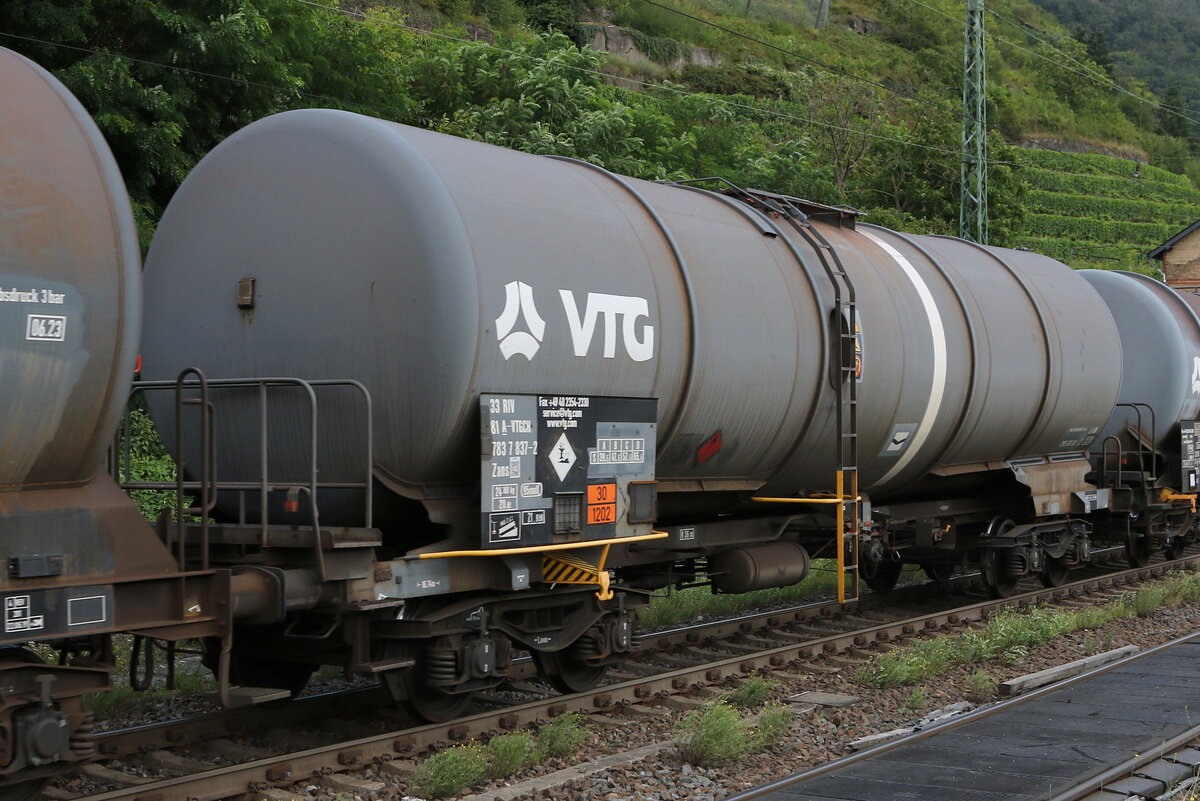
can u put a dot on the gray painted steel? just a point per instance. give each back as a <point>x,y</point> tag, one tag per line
<point>415,261</point>
<point>70,301</point>
<point>1160,340</point>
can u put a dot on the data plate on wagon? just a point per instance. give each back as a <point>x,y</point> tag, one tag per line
<point>565,468</point>
<point>1190,459</point>
<point>37,614</point>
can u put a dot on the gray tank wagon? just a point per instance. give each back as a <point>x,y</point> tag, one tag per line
<point>77,555</point>
<point>433,268</point>
<point>561,388</point>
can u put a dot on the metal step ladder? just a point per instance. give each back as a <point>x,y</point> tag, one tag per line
<point>845,362</point>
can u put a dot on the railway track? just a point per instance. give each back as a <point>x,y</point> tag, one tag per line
<point>1144,774</point>
<point>679,664</point>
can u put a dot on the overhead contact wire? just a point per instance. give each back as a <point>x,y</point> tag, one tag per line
<point>655,86</point>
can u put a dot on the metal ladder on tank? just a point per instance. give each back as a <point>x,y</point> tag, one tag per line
<point>844,375</point>
<point>845,359</point>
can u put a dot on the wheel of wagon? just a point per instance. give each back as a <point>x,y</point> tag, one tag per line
<point>21,790</point>
<point>1176,547</point>
<point>996,566</point>
<point>1138,549</point>
<point>567,672</point>
<point>939,572</point>
<point>411,690</point>
<point>883,575</point>
<point>1055,573</point>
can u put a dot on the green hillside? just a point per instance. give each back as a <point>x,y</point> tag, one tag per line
<point>864,110</point>
<point>1100,211</point>
<point>1156,41</point>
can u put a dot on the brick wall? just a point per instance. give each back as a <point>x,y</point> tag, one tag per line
<point>1181,264</point>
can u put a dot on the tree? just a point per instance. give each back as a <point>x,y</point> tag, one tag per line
<point>165,82</point>
<point>1096,44</point>
<point>848,117</point>
<point>1170,121</point>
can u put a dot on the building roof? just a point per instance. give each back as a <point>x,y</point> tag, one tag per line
<point>1158,252</point>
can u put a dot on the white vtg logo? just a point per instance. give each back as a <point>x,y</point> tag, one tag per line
<point>518,302</point>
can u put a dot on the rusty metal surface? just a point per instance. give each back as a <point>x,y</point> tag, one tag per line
<point>94,527</point>
<point>70,283</point>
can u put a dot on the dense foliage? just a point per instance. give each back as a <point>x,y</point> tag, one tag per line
<point>1157,41</point>
<point>167,81</point>
<point>785,108</point>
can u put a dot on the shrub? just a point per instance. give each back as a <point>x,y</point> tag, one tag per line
<point>449,772</point>
<point>509,753</point>
<point>981,687</point>
<point>659,48</point>
<point>561,736</point>
<point>774,722</point>
<point>916,700</point>
<point>751,693</point>
<point>711,735</point>
<point>735,79</point>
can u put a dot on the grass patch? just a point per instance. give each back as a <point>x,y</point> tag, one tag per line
<point>509,753</point>
<point>449,772</point>
<point>1011,634</point>
<point>773,723</point>
<point>717,733</point>
<point>711,735</point>
<point>122,701</point>
<point>562,736</point>
<point>190,678</point>
<point>751,693</point>
<point>981,687</point>
<point>677,606</point>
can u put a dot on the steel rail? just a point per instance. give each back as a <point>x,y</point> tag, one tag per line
<point>257,775</point>
<point>133,739</point>
<point>1089,786</point>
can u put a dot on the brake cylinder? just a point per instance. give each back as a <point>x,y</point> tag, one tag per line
<point>758,567</point>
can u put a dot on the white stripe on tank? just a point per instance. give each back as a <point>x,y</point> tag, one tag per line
<point>937,390</point>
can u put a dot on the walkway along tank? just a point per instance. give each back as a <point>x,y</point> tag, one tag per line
<point>516,339</point>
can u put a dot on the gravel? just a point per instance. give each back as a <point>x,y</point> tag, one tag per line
<point>816,736</point>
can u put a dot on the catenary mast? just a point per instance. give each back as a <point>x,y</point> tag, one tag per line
<point>973,215</point>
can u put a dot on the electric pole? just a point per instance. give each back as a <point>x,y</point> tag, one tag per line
<point>973,215</point>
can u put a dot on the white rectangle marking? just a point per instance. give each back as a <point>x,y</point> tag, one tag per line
<point>71,610</point>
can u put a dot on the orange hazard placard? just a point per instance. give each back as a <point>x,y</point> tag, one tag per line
<point>602,493</point>
<point>602,513</point>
